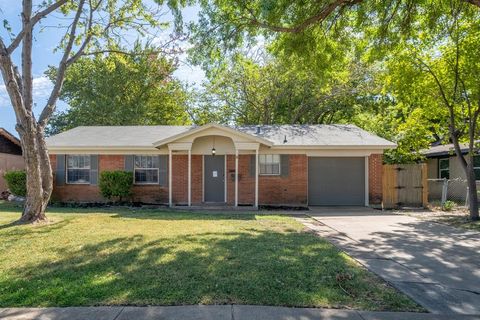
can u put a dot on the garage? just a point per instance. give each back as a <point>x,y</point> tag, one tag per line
<point>336,181</point>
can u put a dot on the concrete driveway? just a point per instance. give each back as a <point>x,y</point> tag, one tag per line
<point>437,265</point>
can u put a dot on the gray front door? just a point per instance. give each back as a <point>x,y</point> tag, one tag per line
<point>214,178</point>
<point>336,181</point>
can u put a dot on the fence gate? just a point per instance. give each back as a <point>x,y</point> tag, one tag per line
<point>405,185</point>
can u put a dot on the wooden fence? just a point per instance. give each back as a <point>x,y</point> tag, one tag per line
<point>405,185</point>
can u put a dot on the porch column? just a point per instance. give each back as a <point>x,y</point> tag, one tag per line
<point>367,200</point>
<point>256,178</point>
<point>189,178</point>
<point>170,203</point>
<point>236,177</point>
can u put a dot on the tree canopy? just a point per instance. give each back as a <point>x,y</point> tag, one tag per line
<point>128,88</point>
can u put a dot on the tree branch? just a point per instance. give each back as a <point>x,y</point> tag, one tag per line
<point>318,17</point>
<point>52,100</point>
<point>37,17</point>
<point>27,79</point>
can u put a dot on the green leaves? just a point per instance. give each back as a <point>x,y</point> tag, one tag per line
<point>136,88</point>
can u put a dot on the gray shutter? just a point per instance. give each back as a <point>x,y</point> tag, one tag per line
<point>94,169</point>
<point>163,170</point>
<point>252,165</point>
<point>129,163</point>
<point>60,170</point>
<point>284,165</point>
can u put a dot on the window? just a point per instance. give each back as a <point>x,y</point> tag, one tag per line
<point>78,169</point>
<point>476,167</point>
<point>444,168</point>
<point>269,164</point>
<point>146,170</point>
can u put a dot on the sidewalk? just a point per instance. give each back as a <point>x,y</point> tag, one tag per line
<point>220,312</point>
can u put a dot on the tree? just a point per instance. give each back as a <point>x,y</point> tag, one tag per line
<point>271,91</point>
<point>442,74</point>
<point>92,24</point>
<point>132,88</point>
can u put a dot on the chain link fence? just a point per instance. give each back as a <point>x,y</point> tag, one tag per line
<point>441,190</point>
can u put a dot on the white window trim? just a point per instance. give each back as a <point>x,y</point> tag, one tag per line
<point>151,169</point>
<point>440,168</point>
<point>270,174</point>
<point>67,168</point>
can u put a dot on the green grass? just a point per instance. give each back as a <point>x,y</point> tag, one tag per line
<point>459,221</point>
<point>155,257</point>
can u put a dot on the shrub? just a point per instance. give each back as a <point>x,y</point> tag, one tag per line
<point>448,205</point>
<point>116,184</point>
<point>16,182</point>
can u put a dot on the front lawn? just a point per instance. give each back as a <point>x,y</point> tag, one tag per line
<point>155,257</point>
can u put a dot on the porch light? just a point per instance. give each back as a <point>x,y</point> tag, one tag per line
<point>213,147</point>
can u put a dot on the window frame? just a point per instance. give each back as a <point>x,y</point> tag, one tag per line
<point>440,168</point>
<point>273,163</point>
<point>77,168</point>
<point>474,167</point>
<point>135,168</point>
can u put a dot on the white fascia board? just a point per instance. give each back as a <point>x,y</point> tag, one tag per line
<point>104,150</point>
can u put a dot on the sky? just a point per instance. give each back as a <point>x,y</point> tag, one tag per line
<point>46,39</point>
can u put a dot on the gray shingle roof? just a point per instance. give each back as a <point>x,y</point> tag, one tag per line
<point>444,149</point>
<point>146,136</point>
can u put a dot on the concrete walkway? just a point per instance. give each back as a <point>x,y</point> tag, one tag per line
<point>437,265</point>
<point>200,312</point>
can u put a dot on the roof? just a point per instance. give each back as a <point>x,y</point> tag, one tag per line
<point>278,136</point>
<point>7,135</point>
<point>444,150</point>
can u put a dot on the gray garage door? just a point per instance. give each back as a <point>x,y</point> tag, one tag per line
<point>336,181</point>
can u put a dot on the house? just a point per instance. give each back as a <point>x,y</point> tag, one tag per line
<point>444,167</point>
<point>10,155</point>
<point>249,165</point>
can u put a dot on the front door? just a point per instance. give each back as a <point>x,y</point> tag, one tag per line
<point>214,178</point>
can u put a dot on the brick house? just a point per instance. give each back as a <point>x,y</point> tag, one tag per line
<point>10,155</point>
<point>251,165</point>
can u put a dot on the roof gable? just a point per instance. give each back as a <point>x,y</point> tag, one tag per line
<point>196,131</point>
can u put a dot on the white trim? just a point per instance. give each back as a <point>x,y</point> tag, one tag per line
<point>256,178</point>
<point>203,178</point>
<point>367,200</point>
<point>236,178</point>
<point>187,133</point>
<point>170,200</point>
<point>279,165</point>
<point>67,168</point>
<point>189,178</point>
<point>225,177</point>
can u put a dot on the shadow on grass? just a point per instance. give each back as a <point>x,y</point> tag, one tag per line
<point>136,213</point>
<point>257,267</point>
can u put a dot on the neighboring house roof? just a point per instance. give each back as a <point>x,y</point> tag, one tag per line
<point>329,136</point>
<point>444,150</point>
<point>7,135</point>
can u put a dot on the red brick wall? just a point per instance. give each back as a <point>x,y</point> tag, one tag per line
<point>91,193</point>
<point>272,189</point>
<point>375,169</point>
<point>292,189</point>
<point>246,183</point>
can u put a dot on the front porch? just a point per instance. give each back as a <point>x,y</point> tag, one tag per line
<point>221,168</point>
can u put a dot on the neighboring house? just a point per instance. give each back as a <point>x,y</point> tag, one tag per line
<point>10,155</point>
<point>442,163</point>
<point>192,165</point>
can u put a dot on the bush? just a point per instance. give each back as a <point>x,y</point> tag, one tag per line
<point>16,182</point>
<point>116,184</point>
<point>448,205</point>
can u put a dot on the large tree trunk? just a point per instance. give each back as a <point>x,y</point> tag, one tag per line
<point>472,190</point>
<point>39,173</point>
